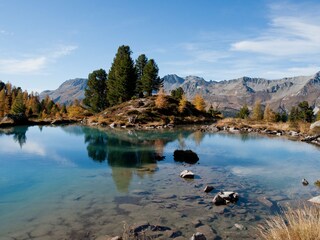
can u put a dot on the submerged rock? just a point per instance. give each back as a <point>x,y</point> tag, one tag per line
<point>198,236</point>
<point>240,226</point>
<point>187,156</point>
<point>305,182</point>
<point>315,200</point>
<point>187,174</point>
<point>265,201</point>
<point>208,189</point>
<point>223,198</point>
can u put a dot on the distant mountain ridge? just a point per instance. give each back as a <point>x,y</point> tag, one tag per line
<point>228,95</point>
<point>68,91</point>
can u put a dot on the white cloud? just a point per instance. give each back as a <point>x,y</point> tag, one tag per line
<point>28,65</point>
<point>33,65</point>
<point>63,51</point>
<point>287,36</point>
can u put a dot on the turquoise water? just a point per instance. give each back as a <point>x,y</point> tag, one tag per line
<point>76,182</point>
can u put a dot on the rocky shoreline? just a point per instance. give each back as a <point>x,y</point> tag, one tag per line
<point>292,135</point>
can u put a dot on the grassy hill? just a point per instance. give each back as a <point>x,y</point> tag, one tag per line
<point>143,111</point>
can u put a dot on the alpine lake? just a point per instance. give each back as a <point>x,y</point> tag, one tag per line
<point>77,182</point>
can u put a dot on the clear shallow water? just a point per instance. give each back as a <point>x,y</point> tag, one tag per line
<point>76,182</point>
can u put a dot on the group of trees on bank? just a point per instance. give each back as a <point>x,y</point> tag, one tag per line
<point>13,100</point>
<point>126,79</point>
<point>301,112</point>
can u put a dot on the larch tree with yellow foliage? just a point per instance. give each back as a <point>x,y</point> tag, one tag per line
<point>199,102</point>
<point>161,100</point>
<point>182,103</point>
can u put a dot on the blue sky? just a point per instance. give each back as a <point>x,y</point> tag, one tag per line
<point>43,43</point>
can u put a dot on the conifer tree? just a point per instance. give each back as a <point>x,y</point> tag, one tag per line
<point>150,80</point>
<point>182,103</point>
<point>18,107</point>
<point>177,93</point>
<point>257,113</point>
<point>161,100</point>
<point>96,91</point>
<point>199,102</point>
<point>140,64</point>
<point>122,77</point>
<point>244,112</point>
<point>2,102</point>
<point>269,115</point>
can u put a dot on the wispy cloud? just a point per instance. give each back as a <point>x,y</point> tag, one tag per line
<point>287,36</point>
<point>289,45</point>
<point>19,66</point>
<point>4,32</point>
<point>34,64</point>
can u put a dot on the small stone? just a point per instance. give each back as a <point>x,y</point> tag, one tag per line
<point>187,174</point>
<point>196,223</point>
<point>116,238</point>
<point>240,226</point>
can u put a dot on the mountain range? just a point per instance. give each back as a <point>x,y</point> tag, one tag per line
<point>227,95</point>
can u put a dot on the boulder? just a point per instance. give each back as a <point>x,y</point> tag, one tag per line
<point>198,236</point>
<point>305,182</point>
<point>223,198</point>
<point>315,200</point>
<point>187,174</point>
<point>208,189</point>
<point>113,125</point>
<point>315,124</point>
<point>187,156</point>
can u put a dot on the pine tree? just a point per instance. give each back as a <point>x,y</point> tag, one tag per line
<point>177,93</point>
<point>182,103</point>
<point>244,112</point>
<point>18,106</point>
<point>199,103</point>
<point>96,91</point>
<point>122,77</point>
<point>150,80</point>
<point>140,64</point>
<point>306,112</point>
<point>257,113</point>
<point>161,100</point>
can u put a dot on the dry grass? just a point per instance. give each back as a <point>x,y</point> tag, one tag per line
<point>294,224</point>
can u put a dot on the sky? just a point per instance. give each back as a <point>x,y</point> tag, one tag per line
<point>43,42</point>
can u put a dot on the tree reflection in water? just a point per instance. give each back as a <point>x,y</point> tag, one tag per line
<point>126,155</point>
<point>19,134</point>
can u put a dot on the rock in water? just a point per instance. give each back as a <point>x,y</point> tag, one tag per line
<point>315,200</point>
<point>305,182</point>
<point>208,189</point>
<point>198,236</point>
<point>187,174</point>
<point>223,198</point>
<point>186,156</point>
